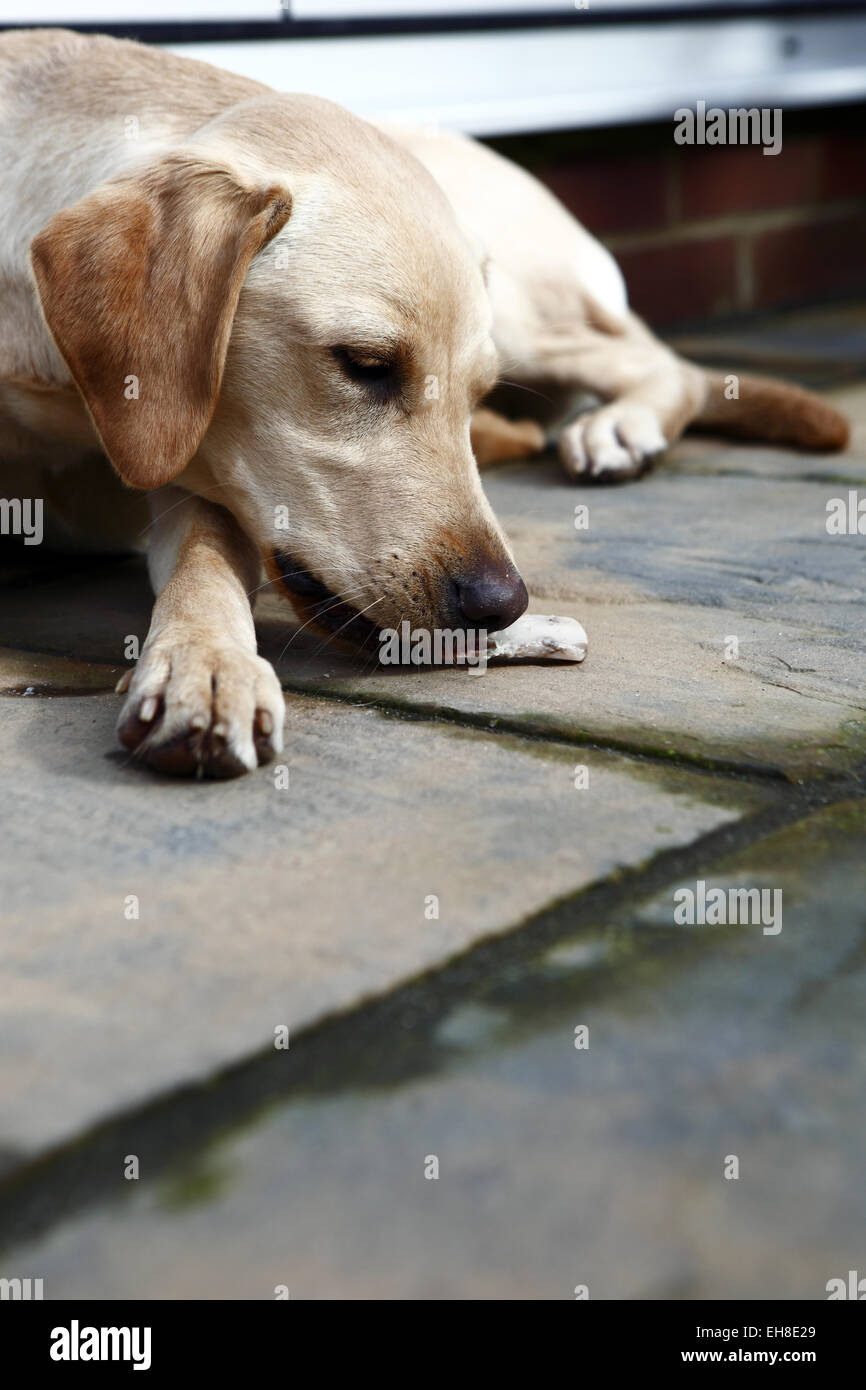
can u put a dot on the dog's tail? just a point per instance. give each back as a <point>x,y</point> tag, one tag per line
<point>759,408</point>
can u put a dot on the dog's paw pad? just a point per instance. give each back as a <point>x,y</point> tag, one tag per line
<point>214,711</point>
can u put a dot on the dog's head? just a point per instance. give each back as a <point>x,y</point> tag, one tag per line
<point>285,317</point>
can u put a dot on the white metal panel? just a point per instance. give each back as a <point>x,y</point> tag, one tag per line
<point>423,9</point>
<point>545,79</point>
<point>60,12</point>
<point>446,9</point>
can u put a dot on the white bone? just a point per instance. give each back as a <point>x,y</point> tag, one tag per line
<point>539,636</point>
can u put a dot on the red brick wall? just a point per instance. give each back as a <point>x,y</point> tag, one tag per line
<point>712,232</point>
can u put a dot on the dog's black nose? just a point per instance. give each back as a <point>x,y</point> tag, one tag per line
<point>491,598</point>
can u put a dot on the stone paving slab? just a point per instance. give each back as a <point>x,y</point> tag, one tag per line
<point>34,673</point>
<point>260,906</point>
<point>655,682</point>
<point>722,543</point>
<point>707,455</point>
<point>85,613</point>
<point>556,1167</point>
<point>816,347</point>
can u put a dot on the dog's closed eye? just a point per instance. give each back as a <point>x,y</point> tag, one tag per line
<point>379,374</point>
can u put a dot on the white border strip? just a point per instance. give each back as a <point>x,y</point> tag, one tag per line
<point>532,80</point>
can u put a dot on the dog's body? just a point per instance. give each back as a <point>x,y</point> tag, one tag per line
<point>563,331</point>
<point>266,315</point>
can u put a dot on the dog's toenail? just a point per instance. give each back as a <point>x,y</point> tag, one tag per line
<point>265,721</point>
<point>149,706</point>
<point>198,721</point>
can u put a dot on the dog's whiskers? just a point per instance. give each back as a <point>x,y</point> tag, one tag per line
<point>337,601</point>
<point>332,636</point>
<point>520,386</point>
<point>267,584</point>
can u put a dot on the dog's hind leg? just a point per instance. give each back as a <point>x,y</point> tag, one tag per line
<point>495,439</point>
<point>648,395</point>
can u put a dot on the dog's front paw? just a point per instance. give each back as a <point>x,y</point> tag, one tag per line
<point>204,709</point>
<point>611,444</point>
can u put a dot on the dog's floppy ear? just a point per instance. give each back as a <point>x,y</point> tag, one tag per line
<point>139,283</point>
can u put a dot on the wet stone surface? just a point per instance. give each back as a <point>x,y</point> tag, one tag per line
<point>557,1166</point>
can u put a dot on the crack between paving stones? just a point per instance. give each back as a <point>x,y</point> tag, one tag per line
<point>493,725</point>
<point>819,695</point>
<point>76,1175</point>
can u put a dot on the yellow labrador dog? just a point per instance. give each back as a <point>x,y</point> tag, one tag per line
<point>266,316</point>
